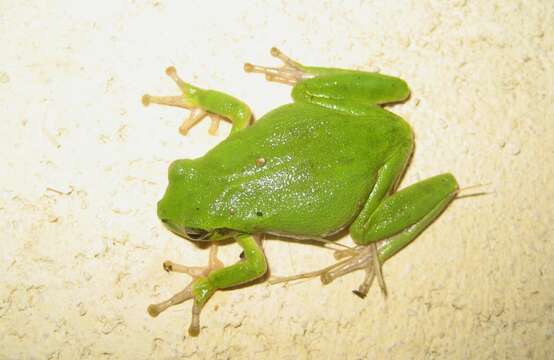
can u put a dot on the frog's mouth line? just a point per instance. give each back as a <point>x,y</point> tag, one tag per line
<point>193,234</point>
<point>196,234</point>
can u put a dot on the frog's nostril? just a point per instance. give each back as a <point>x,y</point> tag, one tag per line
<point>161,211</point>
<point>164,220</point>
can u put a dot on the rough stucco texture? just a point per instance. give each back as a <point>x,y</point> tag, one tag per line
<point>83,164</point>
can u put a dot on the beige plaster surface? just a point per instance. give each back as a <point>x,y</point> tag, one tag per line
<point>83,164</point>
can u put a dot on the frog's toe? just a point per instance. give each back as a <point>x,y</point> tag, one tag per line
<point>364,287</point>
<point>183,295</point>
<point>186,294</point>
<point>287,61</point>
<point>177,100</point>
<point>193,271</point>
<point>281,74</point>
<point>194,327</point>
<point>214,126</point>
<point>350,260</point>
<point>290,73</point>
<point>199,275</point>
<point>194,118</point>
<point>196,271</point>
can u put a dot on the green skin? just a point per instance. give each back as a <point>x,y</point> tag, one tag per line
<point>328,161</point>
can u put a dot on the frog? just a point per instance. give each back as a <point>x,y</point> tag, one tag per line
<point>329,162</point>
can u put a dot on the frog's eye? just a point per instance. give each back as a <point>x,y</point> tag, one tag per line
<point>176,170</point>
<point>181,169</point>
<point>196,234</point>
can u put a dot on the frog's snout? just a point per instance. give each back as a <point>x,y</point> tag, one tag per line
<point>161,213</point>
<point>166,219</point>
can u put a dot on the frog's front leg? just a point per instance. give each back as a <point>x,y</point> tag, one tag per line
<point>202,103</point>
<point>206,280</point>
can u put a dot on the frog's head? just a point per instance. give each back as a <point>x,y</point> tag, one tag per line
<point>182,208</point>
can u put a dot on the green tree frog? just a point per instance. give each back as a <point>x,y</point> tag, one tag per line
<point>329,161</point>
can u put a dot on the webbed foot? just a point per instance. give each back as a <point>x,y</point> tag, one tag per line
<point>289,73</point>
<point>361,258</point>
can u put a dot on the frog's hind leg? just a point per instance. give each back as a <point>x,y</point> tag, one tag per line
<point>388,222</point>
<point>401,217</point>
<point>202,103</point>
<point>327,87</point>
<point>196,271</point>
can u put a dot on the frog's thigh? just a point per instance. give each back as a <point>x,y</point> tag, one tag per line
<point>387,177</point>
<point>400,217</point>
<point>350,89</point>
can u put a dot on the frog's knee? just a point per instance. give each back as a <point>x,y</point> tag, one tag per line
<point>419,203</point>
<point>258,266</point>
<point>300,92</point>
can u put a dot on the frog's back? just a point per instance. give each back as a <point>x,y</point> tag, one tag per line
<point>301,170</point>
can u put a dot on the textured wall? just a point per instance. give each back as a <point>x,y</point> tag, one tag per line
<point>83,164</point>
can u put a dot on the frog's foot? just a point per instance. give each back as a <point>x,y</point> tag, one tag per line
<point>187,101</point>
<point>196,273</point>
<point>361,258</point>
<point>290,73</point>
